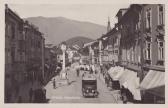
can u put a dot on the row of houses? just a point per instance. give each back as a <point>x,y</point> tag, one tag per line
<point>24,52</point>
<point>137,44</point>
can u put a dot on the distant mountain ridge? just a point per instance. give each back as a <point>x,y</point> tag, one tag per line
<point>58,29</point>
<point>78,41</point>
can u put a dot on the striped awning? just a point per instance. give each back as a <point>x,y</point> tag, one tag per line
<point>115,72</point>
<point>153,79</point>
<point>130,81</point>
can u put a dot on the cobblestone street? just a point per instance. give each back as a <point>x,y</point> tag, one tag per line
<point>72,93</point>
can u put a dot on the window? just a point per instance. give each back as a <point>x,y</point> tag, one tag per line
<point>6,28</point>
<point>148,18</point>
<point>117,41</point>
<point>160,50</point>
<point>13,54</point>
<point>128,55</point>
<point>132,54</point>
<point>160,8</point>
<point>148,50</point>
<point>136,26</point>
<point>13,32</point>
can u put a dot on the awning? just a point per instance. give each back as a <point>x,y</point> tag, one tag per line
<point>130,81</point>
<point>115,72</point>
<point>153,79</point>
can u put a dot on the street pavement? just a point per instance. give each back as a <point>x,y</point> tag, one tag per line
<point>72,93</point>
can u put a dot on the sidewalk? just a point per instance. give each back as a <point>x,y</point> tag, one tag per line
<point>24,91</point>
<point>115,93</point>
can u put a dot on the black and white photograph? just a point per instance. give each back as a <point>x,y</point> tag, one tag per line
<point>84,53</point>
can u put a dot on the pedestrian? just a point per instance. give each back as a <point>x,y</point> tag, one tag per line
<point>20,99</point>
<point>30,94</point>
<point>66,74</point>
<point>77,72</point>
<point>54,84</point>
<point>124,98</point>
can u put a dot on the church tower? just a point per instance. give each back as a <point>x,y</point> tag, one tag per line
<point>108,25</point>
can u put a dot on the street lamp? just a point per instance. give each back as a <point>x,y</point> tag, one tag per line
<point>63,48</point>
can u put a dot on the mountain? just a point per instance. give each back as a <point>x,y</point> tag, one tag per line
<point>58,29</point>
<point>78,42</point>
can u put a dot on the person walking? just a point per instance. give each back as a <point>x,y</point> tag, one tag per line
<point>66,74</point>
<point>124,98</point>
<point>77,72</point>
<point>30,94</point>
<point>54,84</point>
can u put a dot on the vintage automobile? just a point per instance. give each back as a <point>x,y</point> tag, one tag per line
<point>89,86</point>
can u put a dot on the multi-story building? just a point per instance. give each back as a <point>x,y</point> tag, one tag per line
<point>34,51</point>
<point>95,47</point>
<point>14,50</point>
<point>142,47</point>
<point>89,50</point>
<point>112,45</point>
<point>153,45</point>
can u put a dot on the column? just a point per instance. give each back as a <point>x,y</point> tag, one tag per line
<point>100,52</point>
<point>63,64</point>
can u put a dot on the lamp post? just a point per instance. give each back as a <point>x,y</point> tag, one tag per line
<point>63,48</point>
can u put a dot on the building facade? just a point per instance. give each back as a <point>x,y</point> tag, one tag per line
<point>14,50</point>
<point>23,51</point>
<point>112,46</point>
<point>142,47</point>
<point>34,51</point>
<point>137,45</point>
<point>153,20</point>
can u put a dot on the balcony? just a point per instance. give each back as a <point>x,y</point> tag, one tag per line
<point>160,36</point>
<point>148,30</point>
<point>160,27</point>
<point>148,62</point>
<point>160,62</point>
<point>148,38</point>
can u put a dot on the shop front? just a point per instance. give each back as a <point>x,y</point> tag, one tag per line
<point>130,85</point>
<point>115,73</point>
<point>153,87</point>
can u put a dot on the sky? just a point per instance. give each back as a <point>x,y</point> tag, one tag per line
<point>95,13</point>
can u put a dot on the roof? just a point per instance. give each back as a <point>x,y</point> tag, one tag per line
<point>114,30</point>
<point>120,10</point>
<point>12,13</point>
<point>89,77</point>
<point>89,43</point>
<point>58,51</point>
<point>49,45</point>
<point>131,8</point>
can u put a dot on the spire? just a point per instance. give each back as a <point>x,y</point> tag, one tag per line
<point>108,26</point>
